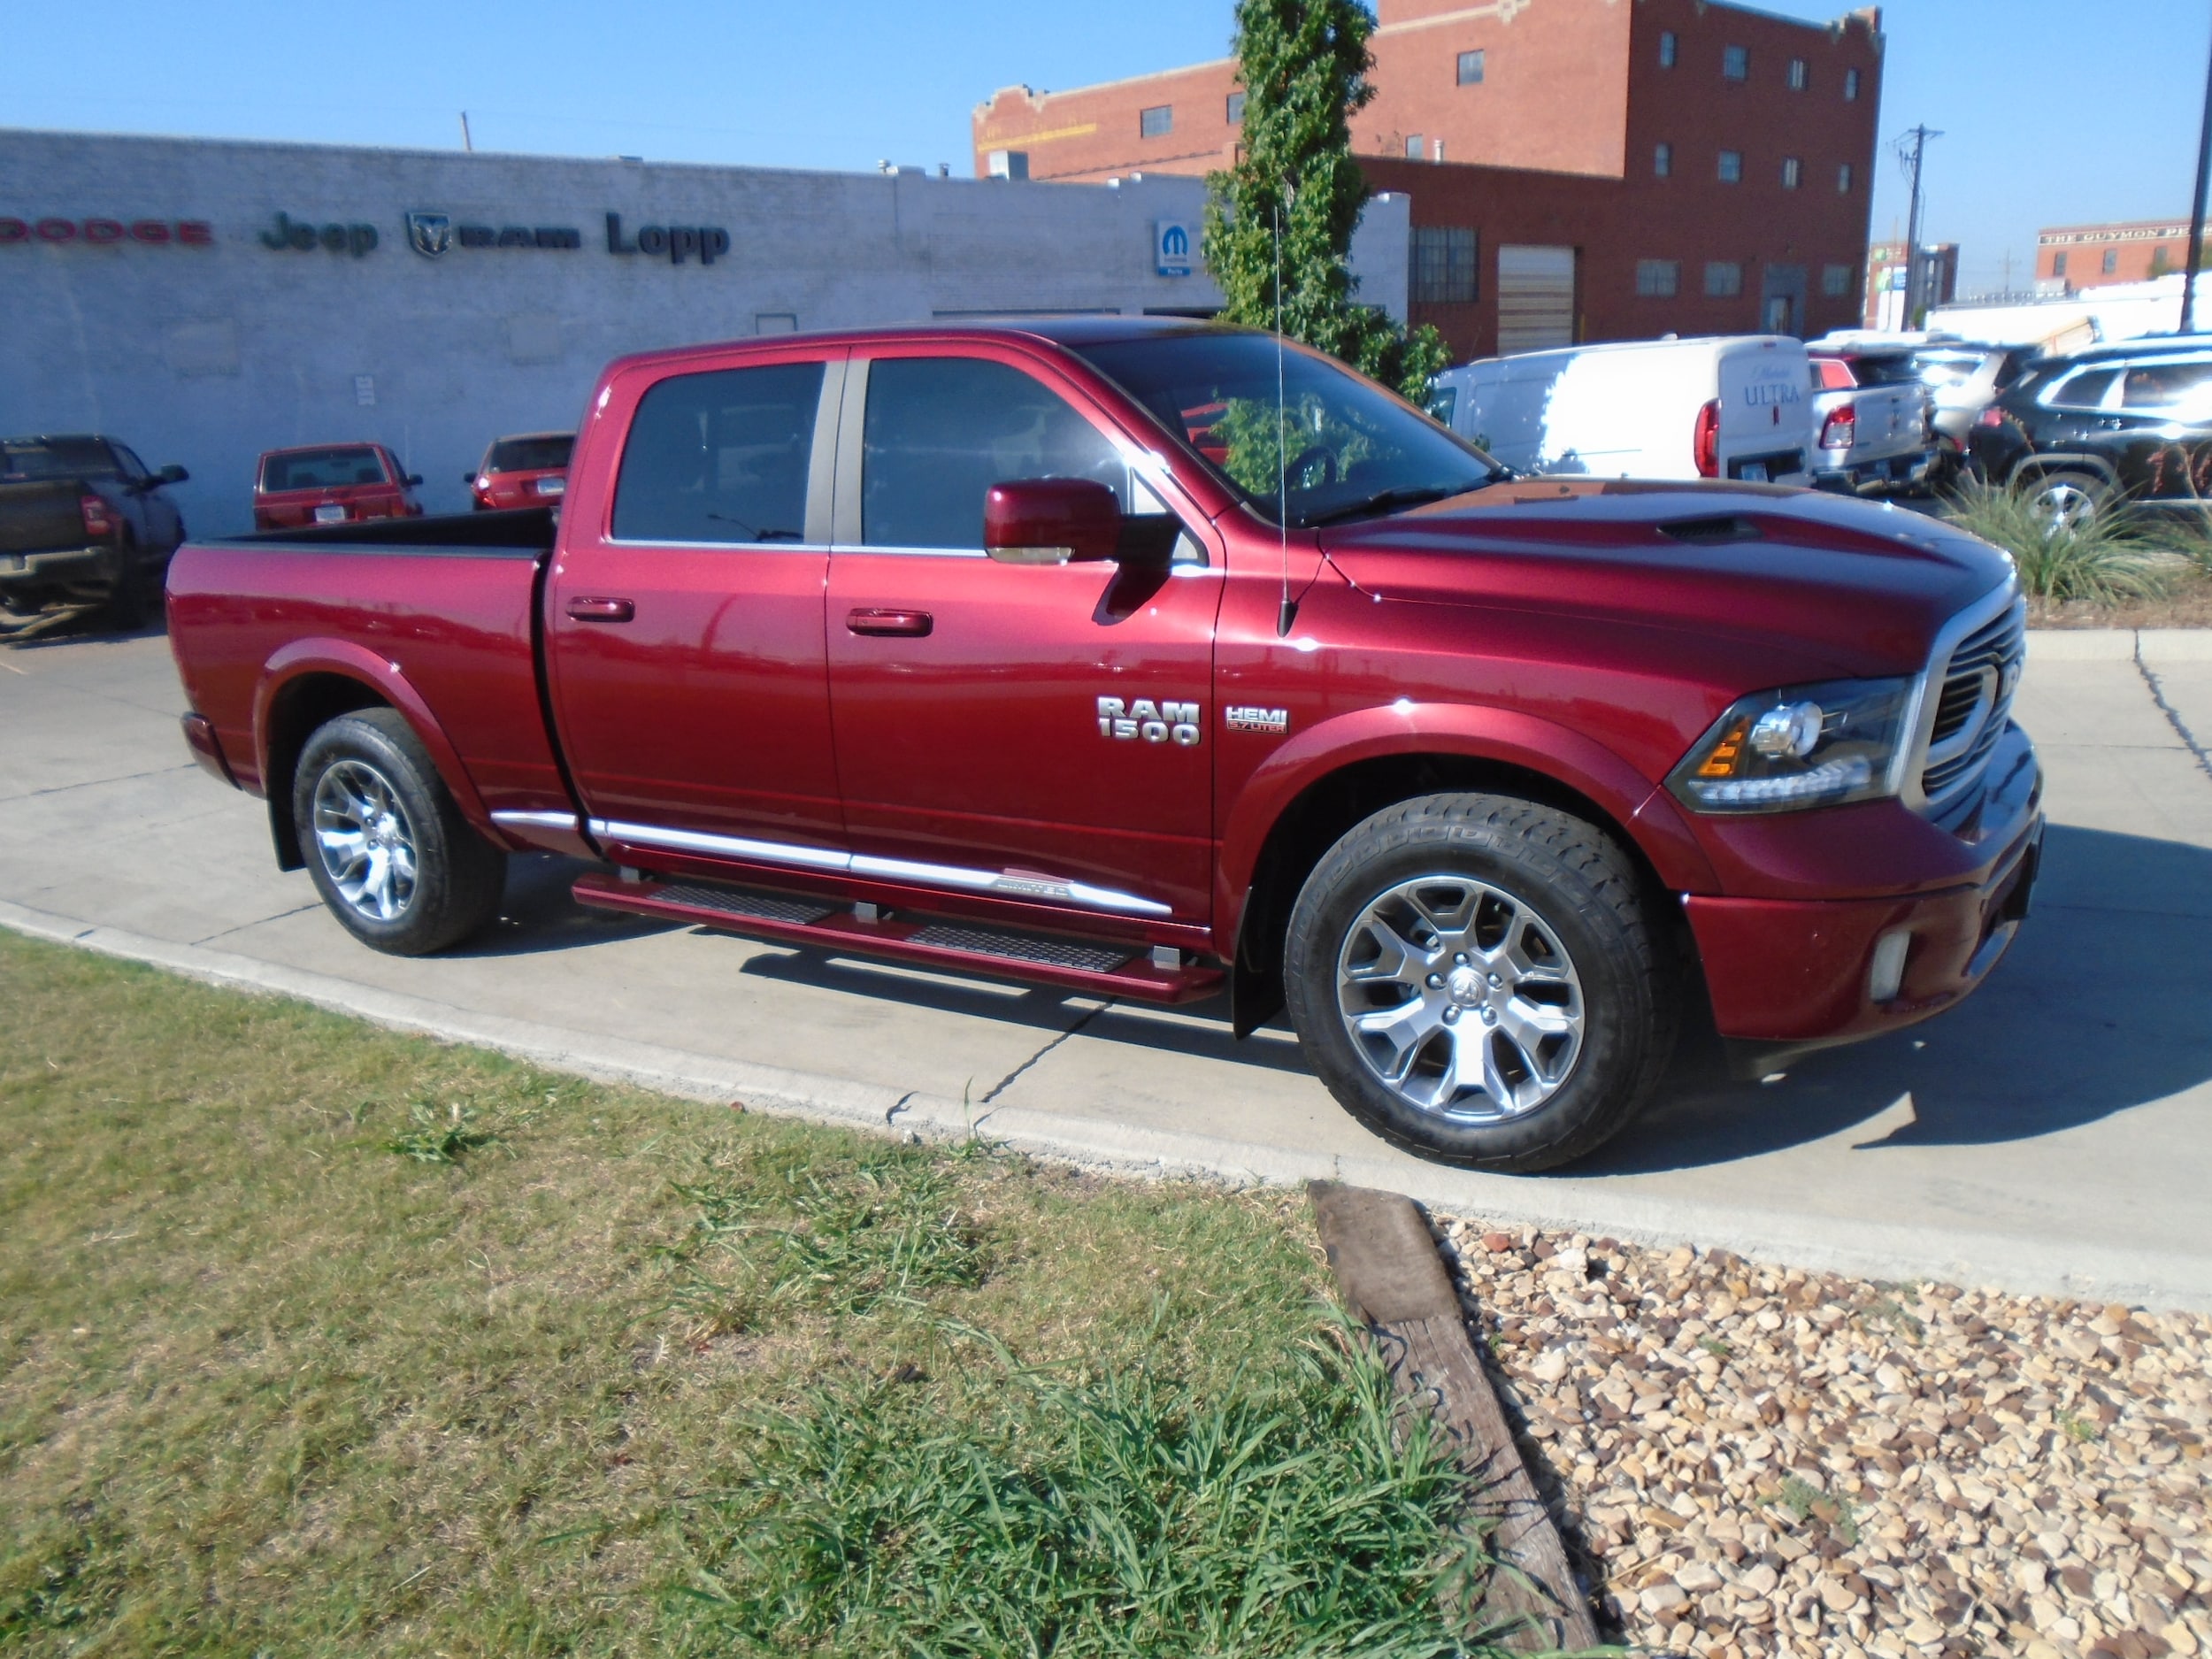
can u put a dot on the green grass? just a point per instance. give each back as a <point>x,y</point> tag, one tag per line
<point>319,1339</point>
<point>2119,556</point>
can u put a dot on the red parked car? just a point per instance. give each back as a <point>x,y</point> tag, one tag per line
<point>528,470</point>
<point>334,483</point>
<point>954,646</point>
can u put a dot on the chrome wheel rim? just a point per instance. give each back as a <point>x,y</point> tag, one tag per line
<point>366,839</point>
<point>2065,506</point>
<point>1460,999</point>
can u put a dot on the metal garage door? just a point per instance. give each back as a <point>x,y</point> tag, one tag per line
<point>1536,298</point>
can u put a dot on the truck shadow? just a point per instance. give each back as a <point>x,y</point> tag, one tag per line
<point>2104,1004</point>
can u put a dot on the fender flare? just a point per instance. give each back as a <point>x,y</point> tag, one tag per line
<point>354,662</point>
<point>1644,810</point>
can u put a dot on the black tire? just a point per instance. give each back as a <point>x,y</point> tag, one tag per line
<point>453,877</point>
<point>1578,890</point>
<point>2068,495</point>
<point>127,601</point>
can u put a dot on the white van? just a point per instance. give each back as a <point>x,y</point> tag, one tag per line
<point>1733,406</point>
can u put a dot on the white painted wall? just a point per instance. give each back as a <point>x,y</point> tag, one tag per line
<point>206,355</point>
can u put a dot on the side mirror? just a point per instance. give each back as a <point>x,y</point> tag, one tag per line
<point>1050,521</point>
<point>173,475</point>
<point>413,480</point>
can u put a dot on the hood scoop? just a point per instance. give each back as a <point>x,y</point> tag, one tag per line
<point>1711,532</point>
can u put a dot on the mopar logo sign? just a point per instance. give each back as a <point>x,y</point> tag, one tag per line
<point>1170,248</point>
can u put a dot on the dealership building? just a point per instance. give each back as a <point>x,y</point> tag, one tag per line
<point>204,301</point>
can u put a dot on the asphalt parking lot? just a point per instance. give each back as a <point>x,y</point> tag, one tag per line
<point>2055,1134</point>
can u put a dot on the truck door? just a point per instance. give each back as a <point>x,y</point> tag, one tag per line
<point>1041,732</point>
<point>684,611</point>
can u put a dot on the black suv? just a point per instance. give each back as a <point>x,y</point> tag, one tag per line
<point>2133,421</point>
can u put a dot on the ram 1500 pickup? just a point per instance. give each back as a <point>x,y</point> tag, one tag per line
<point>1152,659</point>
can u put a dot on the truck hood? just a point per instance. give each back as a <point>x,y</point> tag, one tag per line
<point>1854,587</point>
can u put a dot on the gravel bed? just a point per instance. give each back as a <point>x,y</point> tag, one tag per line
<point>1752,1460</point>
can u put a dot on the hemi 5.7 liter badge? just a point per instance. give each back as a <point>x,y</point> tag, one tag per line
<point>1242,718</point>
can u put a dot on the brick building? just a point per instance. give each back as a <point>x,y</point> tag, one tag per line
<point>1579,169</point>
<point>2090,256</point>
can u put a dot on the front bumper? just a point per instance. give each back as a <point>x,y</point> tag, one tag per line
<point>1787,974</point>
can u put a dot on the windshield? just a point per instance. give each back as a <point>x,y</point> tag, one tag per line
<point>28,460</point>
<point>529,455</point>
<point>1342,449</point>
<point>321,469</point>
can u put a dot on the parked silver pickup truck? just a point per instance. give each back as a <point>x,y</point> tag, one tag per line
<point>1873,420</point>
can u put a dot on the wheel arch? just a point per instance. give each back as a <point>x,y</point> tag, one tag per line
<point>2039,463</point>
<point>314,681</point>
<point>1299,804</point>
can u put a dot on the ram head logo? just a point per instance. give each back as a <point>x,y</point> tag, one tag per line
<point>429,234</point>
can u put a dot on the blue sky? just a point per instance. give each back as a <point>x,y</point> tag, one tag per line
<point>2052,111</point>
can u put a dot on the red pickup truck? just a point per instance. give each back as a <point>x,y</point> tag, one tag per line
<point>1152,659</point>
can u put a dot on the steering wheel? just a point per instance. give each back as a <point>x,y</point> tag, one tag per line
<point>1305,458</point>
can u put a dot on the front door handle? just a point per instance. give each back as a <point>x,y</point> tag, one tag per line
<point>588,609</point>
<point>911,622</point>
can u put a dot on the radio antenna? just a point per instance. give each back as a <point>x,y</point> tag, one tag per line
<point>1287,612</point>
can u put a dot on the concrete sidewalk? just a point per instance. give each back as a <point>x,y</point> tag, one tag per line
<point>2055,1134</point>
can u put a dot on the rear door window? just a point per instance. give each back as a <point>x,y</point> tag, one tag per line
<point>2167,386</point>
<point>938,431</point>
<point>720,457</point>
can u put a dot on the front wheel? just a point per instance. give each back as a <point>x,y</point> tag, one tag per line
<point>1475,978</point>
<point>389,851</point>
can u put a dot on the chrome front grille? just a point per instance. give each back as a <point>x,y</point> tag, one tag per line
<point>1973,703</point>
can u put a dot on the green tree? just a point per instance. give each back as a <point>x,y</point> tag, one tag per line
<point>1304,66</point>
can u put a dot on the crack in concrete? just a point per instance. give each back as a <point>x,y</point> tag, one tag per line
<point>95,783</point>
<point>2172,714</point>
<point>299,910</point>
<point>1006,1082</point>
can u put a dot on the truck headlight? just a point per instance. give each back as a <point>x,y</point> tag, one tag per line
<point>1801,746</point>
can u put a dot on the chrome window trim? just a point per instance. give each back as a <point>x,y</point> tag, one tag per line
<point>1913,757</point>
<point>1002,883</point>
<point>725,547</point>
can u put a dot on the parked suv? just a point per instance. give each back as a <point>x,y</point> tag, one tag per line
<point>528,470</point>
<point>84,525</point>
<point>2129,421</point>
<point>332,484</point>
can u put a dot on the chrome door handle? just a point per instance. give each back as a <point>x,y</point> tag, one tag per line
<point>589,609</point>
<point>910,623</point>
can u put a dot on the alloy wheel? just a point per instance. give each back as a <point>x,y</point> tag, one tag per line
<point>1460,998</point>
<point>366,839</point>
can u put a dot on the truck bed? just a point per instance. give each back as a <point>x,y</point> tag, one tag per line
<point>439,615</point>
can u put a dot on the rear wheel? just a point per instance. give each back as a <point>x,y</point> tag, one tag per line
<point>388,849</point>
<point>1475,978</point>
<point>2067,500</point>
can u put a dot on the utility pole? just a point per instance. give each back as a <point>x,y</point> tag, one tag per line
<point>467,142</point>
<point>2196,212</point>
<point>1920,136</point>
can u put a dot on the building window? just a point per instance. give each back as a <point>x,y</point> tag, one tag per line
<point>1835,280</point>
<point>1724,279</point>
<point>1236,109</point>
<point>1793,173</point>
<point>2111,261</point>
<point>1735,62</point>
<point>1662,161</point>
<point>1666,49</point>
<point>2058,265</point>
<point>1850,85</point>
<point>1413,147</point>
<point>1797,74</point>
<point>1443,263</point>
<point>1843,179</point>
<point>1658,279</point>
<point>1732,167</point>
<point>1157,122</point>
<point>1471,69</point>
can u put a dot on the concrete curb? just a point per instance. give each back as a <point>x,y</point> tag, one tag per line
<point>2064,1267</point>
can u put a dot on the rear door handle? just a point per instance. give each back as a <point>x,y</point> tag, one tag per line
<point>588,609</point>
<point>912,622</point>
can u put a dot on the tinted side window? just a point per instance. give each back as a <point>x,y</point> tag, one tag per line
<point>2085,388</point>
<point>720,457</point>
<point>133,467</point>
<point>941,431</point>
<point>2166,385</point>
